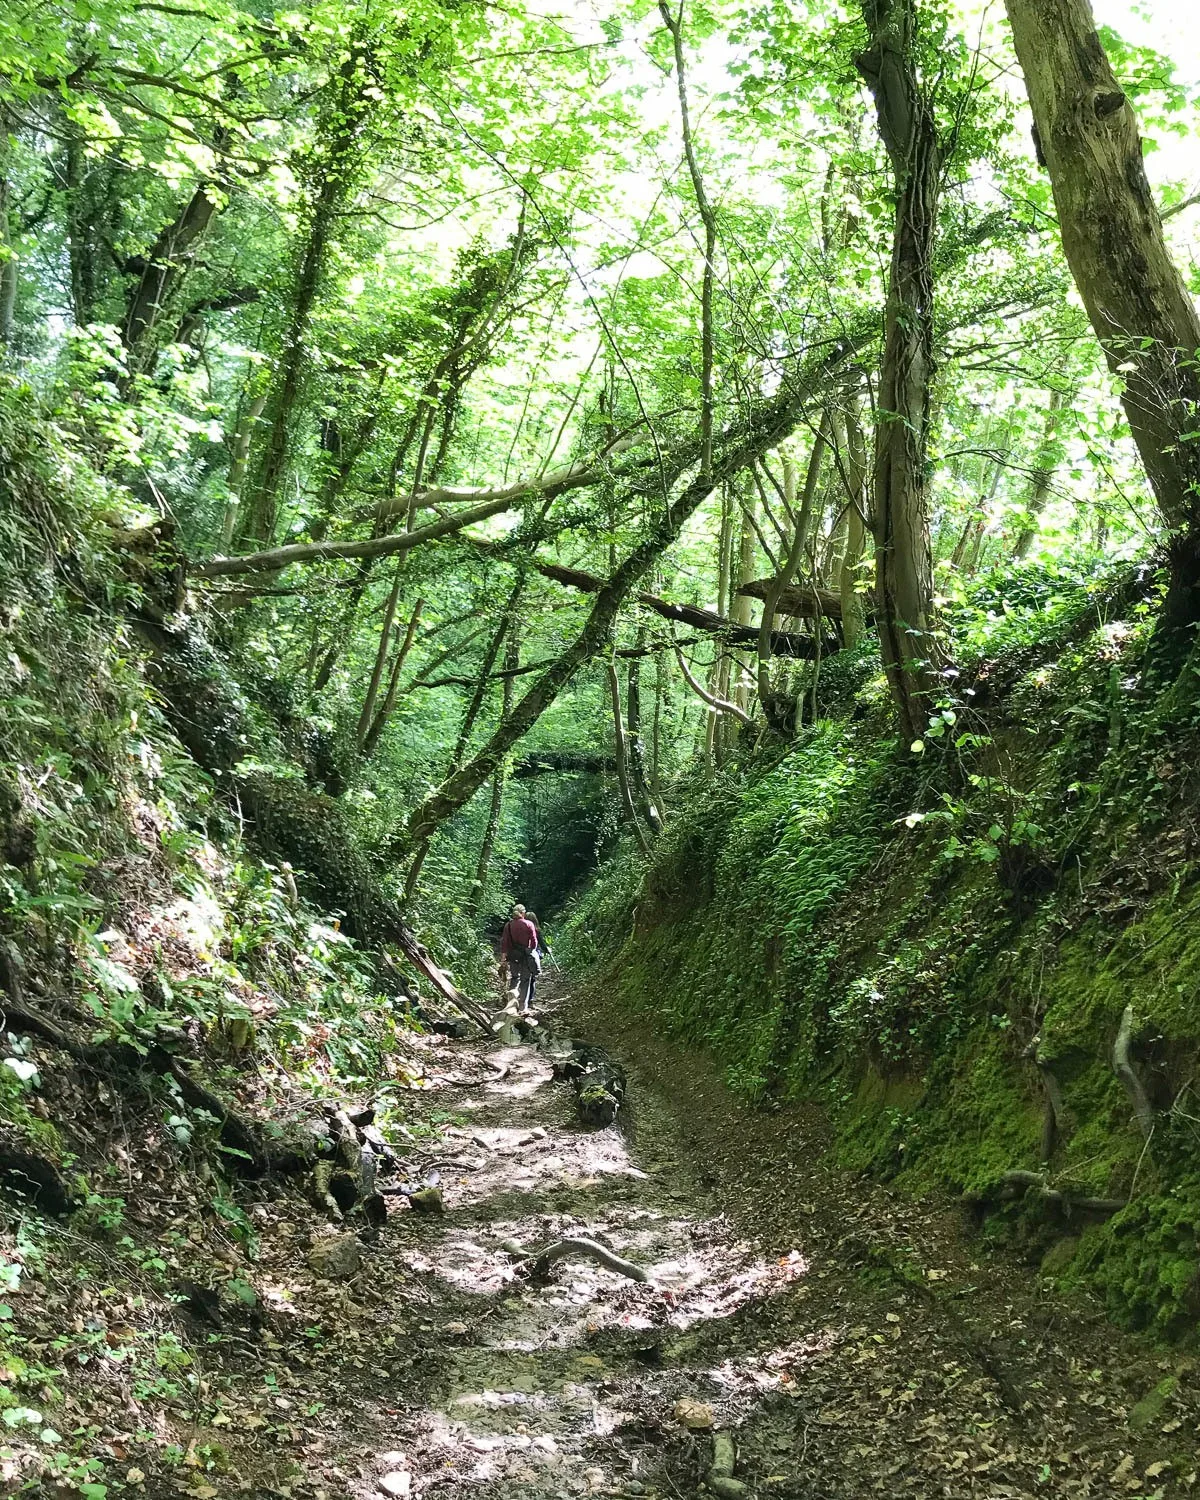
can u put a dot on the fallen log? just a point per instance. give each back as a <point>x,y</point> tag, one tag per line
<point>419,956</point>
<point>800,600</point>
<point>783,643</point>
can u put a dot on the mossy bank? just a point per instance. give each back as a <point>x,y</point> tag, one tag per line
<point>939,943</point>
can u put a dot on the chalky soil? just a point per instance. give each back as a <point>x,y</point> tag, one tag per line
<point>801,1335</point>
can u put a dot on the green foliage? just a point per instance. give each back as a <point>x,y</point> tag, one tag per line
<point>913,939</point>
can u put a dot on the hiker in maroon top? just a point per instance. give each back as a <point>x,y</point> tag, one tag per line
<point>518,947</point>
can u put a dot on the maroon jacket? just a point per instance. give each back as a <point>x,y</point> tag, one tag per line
<point>518,930</point>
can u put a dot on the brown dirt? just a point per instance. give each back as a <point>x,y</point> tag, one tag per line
<point>854,1345</point>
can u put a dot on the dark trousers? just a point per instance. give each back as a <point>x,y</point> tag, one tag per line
<point>524,970</point>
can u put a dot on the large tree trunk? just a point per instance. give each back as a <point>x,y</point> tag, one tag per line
<point>904,565</point>
<point>164,265</point>
<point>1112,235</point>
<point>333,186</point>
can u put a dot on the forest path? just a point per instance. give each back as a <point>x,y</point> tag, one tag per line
<point>847,1341</point>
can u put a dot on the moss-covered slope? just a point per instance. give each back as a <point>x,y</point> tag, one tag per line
<point>940,946</point>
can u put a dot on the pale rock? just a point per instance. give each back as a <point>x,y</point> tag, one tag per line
<point>696,1416</point>
<point>337,1258</point>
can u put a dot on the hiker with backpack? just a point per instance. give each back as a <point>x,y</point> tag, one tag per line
<point>519,951</point>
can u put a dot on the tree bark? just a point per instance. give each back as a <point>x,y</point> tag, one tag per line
<point>165,264</point>
<point>904,564</point>
<point>275,558</point>
<point>335,178</point>
<point>621,756</point>
<point>781,723</point>
<point>242,439</point>
<point>1112,236</point>
<point>379,723</point>
<point>512,662</point>
<point>674,25</point>
<point>635,744</point>
<point>850,602</point>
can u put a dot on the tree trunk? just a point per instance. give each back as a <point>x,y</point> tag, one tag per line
<point>636,747</point>
<point>379,723</point>
<point>165,264</point>
<point>780,718</point>
<point>366,713</point>
<point>621,755</point>
<point>1112,236</point>
<point>674,25</point>
<point>904,565</point>
<point>743,614</point>
<point>1043,476</point>
<point>335,179</point>
<point>853,615</point>
<point>512,662</point>
<point>242,439</point>
<point>718,677</point>
<point>8,250</point>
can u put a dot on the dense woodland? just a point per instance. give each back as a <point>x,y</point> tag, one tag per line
<point>499,379</point>
<point>726,476</point>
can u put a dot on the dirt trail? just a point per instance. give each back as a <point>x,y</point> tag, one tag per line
<point>849,1343</point>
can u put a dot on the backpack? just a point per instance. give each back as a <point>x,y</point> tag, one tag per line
<point>515,949</point>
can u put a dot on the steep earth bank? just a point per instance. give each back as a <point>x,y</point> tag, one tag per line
<point>980,957</point>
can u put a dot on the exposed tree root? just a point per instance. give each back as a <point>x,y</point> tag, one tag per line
<point>537,1263</point>
<point>1127,1073</point>
<point>1018,1182</point>
<point>35,1177</point>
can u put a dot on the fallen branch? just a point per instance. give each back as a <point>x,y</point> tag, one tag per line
<point>783,643</point>
<point>722,705</point>
<point>276,558</point>
<point>418,955</point>
<point>537,1263</point>
<point>797,599</point>
<point>575,476</point>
